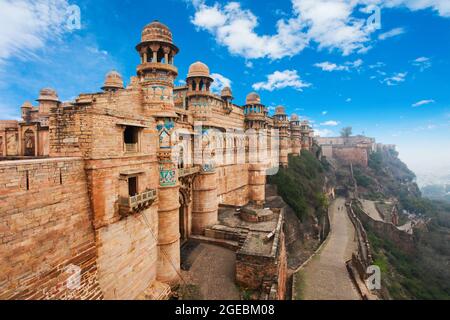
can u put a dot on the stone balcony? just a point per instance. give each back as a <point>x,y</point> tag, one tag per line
<point>137,203</point>
<point>184,172</point>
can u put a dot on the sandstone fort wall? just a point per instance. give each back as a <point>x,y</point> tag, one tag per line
<point>46,230</point>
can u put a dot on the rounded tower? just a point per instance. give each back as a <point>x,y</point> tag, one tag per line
<point>199,83</point>
<point>256,123</point>
<point>157,71</point>
<point>306,135</point>
<point>156,74</point>
<point>296,142</point>
<point>281,122</point>
<point>255,112</point>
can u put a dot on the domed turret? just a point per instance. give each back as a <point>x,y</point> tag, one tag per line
<point>27,105</point>
<point>280,110</point>
<point>198,78</point>
<point>294,117</point>
<point>156,47</point>
<point>226,94</point>
<point>253,98</point>
<point>48,98</point>
<point>48,94</point>
<point>113,81</point>
<point>157,72</point>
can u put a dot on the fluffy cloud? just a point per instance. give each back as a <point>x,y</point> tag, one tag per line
<point>441,6</point>
<point>234,27</point>
<point>423,102</point>
<point>219,83</point>
<point>331,123</point>
<point>27,25</point>
<point>395,79</point>
<point>391,33</point>
<point>282,79</point>
<point>347,66</point>
<point>330,24</point>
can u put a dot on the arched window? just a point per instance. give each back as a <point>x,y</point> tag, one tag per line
<point>160,56</point>
<point>202,84</point>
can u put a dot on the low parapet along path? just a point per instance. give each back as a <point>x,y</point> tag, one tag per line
<point>326,277</point>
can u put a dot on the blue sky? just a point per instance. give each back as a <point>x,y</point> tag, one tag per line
<point>321,59</point>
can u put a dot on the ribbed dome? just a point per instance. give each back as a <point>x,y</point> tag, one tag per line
<point>294,117</point>
<point>226,93</point>
<point>113,80</point>
<point>198,69</point>
<point>156,31</point>
<point>48,94</point>
<point>280,110</point>
<point>253,98</point>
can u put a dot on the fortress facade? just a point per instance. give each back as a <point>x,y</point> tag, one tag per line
<point>110,185</point>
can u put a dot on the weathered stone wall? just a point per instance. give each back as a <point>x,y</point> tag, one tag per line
<point>232,182</point>
<point>70,132</point>
<point>399,238</point>
<point>46,230</point>
<point>351,155</point>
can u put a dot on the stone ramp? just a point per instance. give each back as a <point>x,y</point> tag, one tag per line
<point>325,276</point>
<point>370,208</point>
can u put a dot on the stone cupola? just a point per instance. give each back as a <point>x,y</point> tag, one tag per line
<point>48,98</point>
<point>255,112</point>
<point>157,71</point>
<point>226,94</point>
<point>156,49</point>
<point>113,82</point>
<point>198,78</point>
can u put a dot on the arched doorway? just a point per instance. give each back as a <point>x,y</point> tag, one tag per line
<point>184,211</point>
<point>29,143</point>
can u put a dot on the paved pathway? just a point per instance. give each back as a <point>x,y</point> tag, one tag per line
<point>326,277</point>
<point>370,208</point>
<point>213,271</point>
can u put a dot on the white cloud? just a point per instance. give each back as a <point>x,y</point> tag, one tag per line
<point>347,66</point>
<point>323,132</point>
<point>422,63</point>
<point>330,24</point>
<point>423,102</point>
<point>324,113</point>
<point>441,6</point>
<point>234,27</point>
<point>391,33</point>
<point>331,123</point>
<point>395,79</point>
<point>282,79</point>
<point>377,65</point>
<point>329,67</point>
<point>219,83</point>
<point>27,25</point>
<point>348,100</point>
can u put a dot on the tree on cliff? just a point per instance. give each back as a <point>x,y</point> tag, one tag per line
<point>346,132</point>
